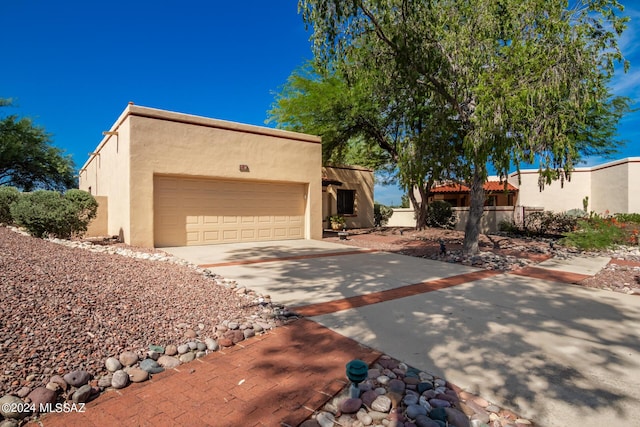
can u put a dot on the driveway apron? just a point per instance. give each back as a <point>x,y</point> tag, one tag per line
<point>556,353</point>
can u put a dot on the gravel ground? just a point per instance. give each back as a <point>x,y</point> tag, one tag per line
<point>64,309</point>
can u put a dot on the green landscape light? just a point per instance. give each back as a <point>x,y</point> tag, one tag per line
<point>357,371</point>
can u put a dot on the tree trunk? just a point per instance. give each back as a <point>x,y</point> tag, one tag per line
<point>420,208</point>
<point>472,229</point>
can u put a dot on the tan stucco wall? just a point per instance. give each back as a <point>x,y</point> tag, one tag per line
<point>634,185</point>
<point>555,196</point>
<point>352,178</point>
<point>611,187</point>
<point>152,141</point>
<point>99,226</point>
<point>402,217</point>
<point>107,173</point>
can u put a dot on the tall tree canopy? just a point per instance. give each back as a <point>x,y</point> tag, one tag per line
<point>366,118</point>
<point>498,82</point>
<point>27,158</point>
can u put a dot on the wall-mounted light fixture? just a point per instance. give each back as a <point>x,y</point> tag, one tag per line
<point>244,168</point>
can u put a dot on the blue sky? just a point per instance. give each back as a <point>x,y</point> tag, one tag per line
<point>73,66</point>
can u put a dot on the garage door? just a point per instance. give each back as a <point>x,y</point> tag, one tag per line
<point>205,212</point>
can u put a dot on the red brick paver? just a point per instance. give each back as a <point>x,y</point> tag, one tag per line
<point>625,262</point>
<point>391,294</point>
<point>278,378</point>
<point>552,275</point>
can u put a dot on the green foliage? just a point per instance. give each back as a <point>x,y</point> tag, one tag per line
<point>381,214</point>
<point>595,233</point>
<point>601,232</point>
<point>628,218</point>
<point>49,213</point>
<point>585,203</point>
<point>509,226</point>
<point>336,219</point>
<point>8,195</point>
<point>440,214</point>
<point>27,158</point>
<point>499,81</point>
<point>404,201</point>
<point>85,206</point>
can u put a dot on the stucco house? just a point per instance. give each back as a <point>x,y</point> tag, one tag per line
<point>608,188</point>
<point>613,186</point>
<point>169,179</point>
<point>348,191</point>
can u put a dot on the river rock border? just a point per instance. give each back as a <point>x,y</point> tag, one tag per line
<point>395,394</point>
<point>78,387</point>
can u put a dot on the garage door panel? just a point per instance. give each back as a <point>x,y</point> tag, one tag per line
<point>197,211</point>
<point>248,234</point>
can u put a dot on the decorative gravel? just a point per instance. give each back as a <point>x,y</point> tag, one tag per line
<point>65,309</point>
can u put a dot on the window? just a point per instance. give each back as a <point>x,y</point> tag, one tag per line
<point>346,199</point>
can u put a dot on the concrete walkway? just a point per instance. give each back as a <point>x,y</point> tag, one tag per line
<point>559,354</point>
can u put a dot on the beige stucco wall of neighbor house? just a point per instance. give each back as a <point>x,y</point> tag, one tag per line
<point>155,142</point>
<point>556,197</point>
<point>611,187</point>
<point>402,217</point>
<point>352,178</point>
<point>634,185</point>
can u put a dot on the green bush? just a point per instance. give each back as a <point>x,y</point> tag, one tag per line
<point>508,226</point>
<point>628,217</point>
<point>8,195</point>
<point>595,233</point>
<point>381,214</point>
<point>49,213</point>
<point>86,208</point>
<point>440,215</point>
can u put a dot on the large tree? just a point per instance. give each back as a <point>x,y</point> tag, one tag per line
<point>366,118</point>
<point>27,158</point>
<point>509,81</point>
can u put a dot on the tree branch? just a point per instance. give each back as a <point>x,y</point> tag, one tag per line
<point>437,85</point>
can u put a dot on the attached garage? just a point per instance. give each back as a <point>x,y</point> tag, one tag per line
<point>174,179</point>
<point>197,211</point>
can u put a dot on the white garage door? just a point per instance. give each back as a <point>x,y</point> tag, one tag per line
<point>190,211</point>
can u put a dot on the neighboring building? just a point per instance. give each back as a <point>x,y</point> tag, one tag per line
<point>457,195</point>
<point>174,179</point>
<point>348,191</point>
<point>612,187</point>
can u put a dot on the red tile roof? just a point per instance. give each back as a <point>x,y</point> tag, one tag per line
<point>461,188</point>
<point>498,186</point>
<point>450,188</point>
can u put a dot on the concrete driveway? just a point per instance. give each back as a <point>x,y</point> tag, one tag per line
<point>559,354</point>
